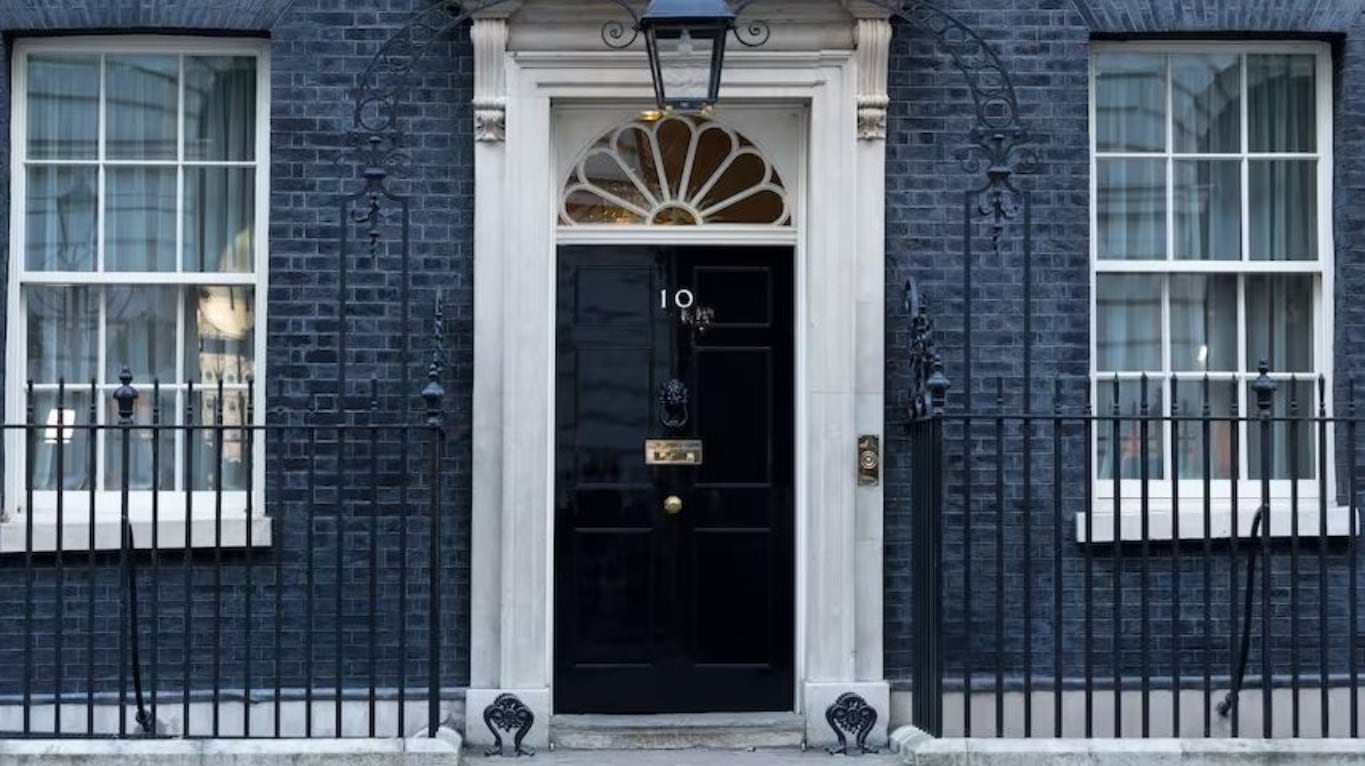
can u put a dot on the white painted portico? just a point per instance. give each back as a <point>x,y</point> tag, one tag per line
<point>538,62</point>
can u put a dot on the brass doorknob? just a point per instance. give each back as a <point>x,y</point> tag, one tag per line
<point>672,505</point>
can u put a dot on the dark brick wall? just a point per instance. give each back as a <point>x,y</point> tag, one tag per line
<point>318,49</point>
<point>317,52</point>
<point>1164,17</point>
<point>1045,46</point>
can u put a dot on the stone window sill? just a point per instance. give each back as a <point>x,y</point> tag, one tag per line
<point>207,527</point>
<point>1160,520</point>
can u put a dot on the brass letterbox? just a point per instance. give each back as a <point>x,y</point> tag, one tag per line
<point>672,452</point>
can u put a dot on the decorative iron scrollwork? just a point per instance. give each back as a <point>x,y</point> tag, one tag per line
<point>928,384</point>
<point>851,715</point>
<point>698,318</point>
<point>750,33</point>
<point>996,145</point>
<point>673,402</point>
<point>375,139</point>
<point>508,714</point>
<point>618,34</point>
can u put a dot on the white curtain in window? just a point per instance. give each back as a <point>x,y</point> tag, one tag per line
<point>199,332</point>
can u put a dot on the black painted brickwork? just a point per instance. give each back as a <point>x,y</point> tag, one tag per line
<point>318,48</point>
<point>1045,45</point>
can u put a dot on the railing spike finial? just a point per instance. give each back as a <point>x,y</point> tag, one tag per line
<point>1264,387</point>
<point>928,386</point>
<point>938,385</point>
<point>912,300</point>
<point>433,393</point>
<point>126,396</point>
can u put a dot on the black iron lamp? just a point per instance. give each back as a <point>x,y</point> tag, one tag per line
<point>686,44</point>
<point>685,40</point>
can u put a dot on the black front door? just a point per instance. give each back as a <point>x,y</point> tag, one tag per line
<point>673,580</point>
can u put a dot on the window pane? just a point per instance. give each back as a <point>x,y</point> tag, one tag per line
<point>63,333</point>
<point>1130,103</point>
<point>60,233</point>
<point>1208,210</point>
<point>219,219</point>
<point>52,412</point>
<point>1206,96</point>
<point>63,107</point>
<point>220,324</point>
<point>1132,209</point>
<point>140,332</point>
<point>220,108</point>
<point>139,228</point>
<point>584,205</point>
<point>142,106</point>
<point>1204,322</point>
<point>1292,453</point>
<point>1284,210</point>
<point>1128,322</point>
<point>1191,397</point>
<point>220,455</point>
<point>1281,103</point>
<point>1129,454</point>
<point>1280,322</point>
<point>143,443</point>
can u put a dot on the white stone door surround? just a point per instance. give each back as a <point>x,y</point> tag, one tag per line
<point>543,57</point>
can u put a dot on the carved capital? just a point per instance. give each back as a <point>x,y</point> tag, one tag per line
<point>489,38</point>
<point>490,122</point>
<point>872,117</point>
<point>872,36</point>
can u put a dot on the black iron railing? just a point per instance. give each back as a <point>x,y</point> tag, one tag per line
<point>178,562</point>
<point>1167,562</point>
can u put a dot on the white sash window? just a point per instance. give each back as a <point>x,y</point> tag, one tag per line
<point>1211,247</point>
<point>137,240</point>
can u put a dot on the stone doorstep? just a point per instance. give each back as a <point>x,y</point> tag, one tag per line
<point>443,750</point>
<point>700,757</point>
<point>718,731</point>
<point>919,749</point>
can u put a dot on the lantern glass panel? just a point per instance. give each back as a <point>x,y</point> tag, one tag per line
<point>685,58</point>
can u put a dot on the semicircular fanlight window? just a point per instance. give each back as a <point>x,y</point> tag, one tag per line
<point>677,171</point>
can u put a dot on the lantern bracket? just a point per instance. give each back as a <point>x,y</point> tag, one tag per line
<point>620,34</point>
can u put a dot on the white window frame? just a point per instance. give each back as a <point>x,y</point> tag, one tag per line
<point>1161,498</point>
<point>204,527</point>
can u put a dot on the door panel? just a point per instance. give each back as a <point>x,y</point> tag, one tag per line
<point>737,415</point>
<point>610,626</point>
<point>693,611</point>
<point>731,615</point>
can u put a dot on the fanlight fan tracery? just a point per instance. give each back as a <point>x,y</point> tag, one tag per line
<point>677,171</point>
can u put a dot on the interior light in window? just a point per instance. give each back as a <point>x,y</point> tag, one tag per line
<point>57,421</point>
<point>225,312</point>
<point>1204,353</point>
